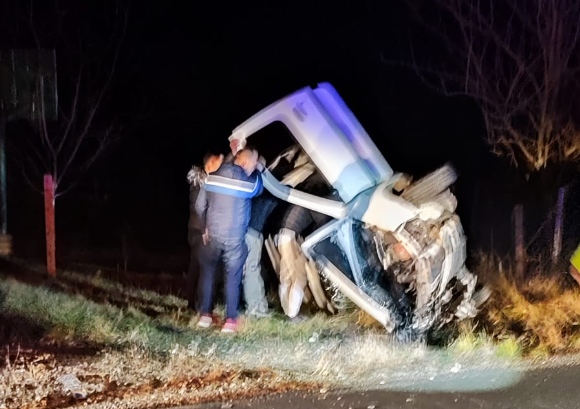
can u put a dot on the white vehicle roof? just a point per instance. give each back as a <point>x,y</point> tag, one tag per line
<point>330,134</point>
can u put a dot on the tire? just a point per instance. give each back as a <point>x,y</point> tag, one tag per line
<point>431,185</point>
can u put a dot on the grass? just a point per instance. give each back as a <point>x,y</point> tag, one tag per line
<point>471,340</point>
<point>146,338</point>
<point>319,325</point>
<point>535,318</point>
<point>73,317</point>
<point>68,317</point>
<point>540,315</point>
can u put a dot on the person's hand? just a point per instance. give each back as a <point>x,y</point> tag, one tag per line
<point>261,165</point>
<point>235,146</point>
<point>205,237</point>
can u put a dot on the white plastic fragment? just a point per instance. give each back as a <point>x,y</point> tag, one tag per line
<point>70,383</point>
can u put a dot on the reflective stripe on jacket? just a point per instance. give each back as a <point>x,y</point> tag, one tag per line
<point>224,205</point>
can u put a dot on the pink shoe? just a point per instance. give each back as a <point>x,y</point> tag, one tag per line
<point>230,326</point>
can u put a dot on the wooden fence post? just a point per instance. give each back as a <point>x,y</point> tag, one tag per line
<point>519,241</point>
<point>49,225</point>
<point>559,224</point>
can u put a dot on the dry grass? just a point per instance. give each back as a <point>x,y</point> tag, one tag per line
<point>541,314</point>
<point>472,340</point>
<point>278,326</point>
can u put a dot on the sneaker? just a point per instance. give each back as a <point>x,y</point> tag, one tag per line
<point>230,326</point>
<point>205,321</point>
<point>256,313</point>
<point>298,319</point>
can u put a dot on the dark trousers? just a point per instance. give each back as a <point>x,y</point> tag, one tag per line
<point>233,253</point>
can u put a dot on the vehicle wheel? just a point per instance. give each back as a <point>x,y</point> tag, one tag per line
<point>431,185</point>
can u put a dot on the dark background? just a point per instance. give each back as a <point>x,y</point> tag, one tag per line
<point>191,71</point>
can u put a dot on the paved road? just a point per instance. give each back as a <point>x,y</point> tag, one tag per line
<point>554,388</point>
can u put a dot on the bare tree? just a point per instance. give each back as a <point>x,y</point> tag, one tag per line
<point>520,62</point>
<point>68,147</point>
<point>86,40</point>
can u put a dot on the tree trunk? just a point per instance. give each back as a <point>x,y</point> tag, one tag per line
<point>49,225</point>
<point>520,248</point>
<point>5,238</point>
<point>3,187</point>
<point>559,224</point>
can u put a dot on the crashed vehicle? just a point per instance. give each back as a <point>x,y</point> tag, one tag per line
<point>395,248</point>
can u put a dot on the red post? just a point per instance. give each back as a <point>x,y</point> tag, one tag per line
<point>49,225</point>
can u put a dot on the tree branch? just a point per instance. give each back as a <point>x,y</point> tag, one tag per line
<point>70,144</point>
<point>519,62</point>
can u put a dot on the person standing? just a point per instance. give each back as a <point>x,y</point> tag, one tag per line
<point>297,220</point>
<point>196,177</point>
<point>224,208</point>
<point>253,282</point>
<point>262,207</point>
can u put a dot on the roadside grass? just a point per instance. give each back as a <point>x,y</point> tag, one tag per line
<point>74,317</point>
<point>539,316</point>
<point>278,326</point>
<point>135,348</point>
<point>471,340</point>
<point>535,318</point>
<point>145,338</point>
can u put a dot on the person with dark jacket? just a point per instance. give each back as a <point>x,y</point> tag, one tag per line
<point>224,208</point>
<point>196,177</point>
<point>253,281</point>
<point>298,220</point>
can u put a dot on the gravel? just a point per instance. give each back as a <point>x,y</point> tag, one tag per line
<point>234,369</point>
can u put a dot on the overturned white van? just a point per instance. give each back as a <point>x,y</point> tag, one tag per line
<point>394,248</point>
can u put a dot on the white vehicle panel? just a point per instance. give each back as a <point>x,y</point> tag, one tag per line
<point>332,208</point>
<point>354,131</point>
<point>318,135</point>
<point>388,211</point>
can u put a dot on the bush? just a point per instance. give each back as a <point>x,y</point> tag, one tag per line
<point>542,314</point>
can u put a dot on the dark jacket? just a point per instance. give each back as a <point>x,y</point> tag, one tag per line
<point>227,215</point>
<point>262,207</point>
<point>196,178</point>
<point>299,219</point>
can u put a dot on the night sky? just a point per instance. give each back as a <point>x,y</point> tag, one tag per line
<point>191,71</point>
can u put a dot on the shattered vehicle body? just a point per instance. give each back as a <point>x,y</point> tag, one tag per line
<point>396,249</point>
